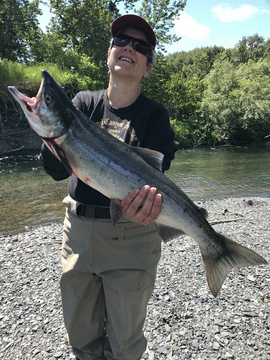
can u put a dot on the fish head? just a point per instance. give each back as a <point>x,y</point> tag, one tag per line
<point>49,113</point>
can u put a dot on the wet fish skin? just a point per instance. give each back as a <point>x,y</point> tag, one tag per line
<point>115,169</point>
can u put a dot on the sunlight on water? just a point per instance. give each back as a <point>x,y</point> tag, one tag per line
<point>223,172</point>
<point>30,197</point>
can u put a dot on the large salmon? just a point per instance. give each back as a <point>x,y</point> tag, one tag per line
<point>115,169</point>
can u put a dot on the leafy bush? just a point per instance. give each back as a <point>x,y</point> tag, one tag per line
<point>181,131</point>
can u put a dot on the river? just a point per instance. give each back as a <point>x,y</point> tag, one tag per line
<point>29,197</point>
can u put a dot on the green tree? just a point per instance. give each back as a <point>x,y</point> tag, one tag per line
<point>183,104</point>
<point>84,26</point>
<point>18,28</point>
<point>81,28</point>
<point>249,48</point>
<point>236,104</point>
<point>181,97</point>
<point>160,15</point>
<point>267,48</point>
<point>220,105</point>
<point>197,62</point>
<point>254,98</point>
<point>155,86</point>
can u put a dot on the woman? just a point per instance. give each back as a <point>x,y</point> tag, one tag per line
<point>109,270</point>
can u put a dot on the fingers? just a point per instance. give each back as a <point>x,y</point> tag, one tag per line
<point>142,206</point>
<point>155,210</point>
<point>127,201</point>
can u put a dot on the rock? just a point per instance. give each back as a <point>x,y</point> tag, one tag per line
<point>58,355</point>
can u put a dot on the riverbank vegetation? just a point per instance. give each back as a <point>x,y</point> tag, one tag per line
<point>214,95</point>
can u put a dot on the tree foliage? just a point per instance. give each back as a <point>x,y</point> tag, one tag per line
<point>213,95</point>
<point>237,101</point>
<point>249,48</point>
<point>197,62</point>
<point>18,28</point>
<point>84,26</point>
<point>232,102</point>
<point>160,15</point>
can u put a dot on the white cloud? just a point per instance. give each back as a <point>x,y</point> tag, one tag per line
<point>187,26</point>
<point>225,13</point>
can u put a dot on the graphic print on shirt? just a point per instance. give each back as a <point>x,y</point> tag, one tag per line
<point>122,130</point>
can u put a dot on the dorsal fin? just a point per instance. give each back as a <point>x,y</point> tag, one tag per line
<point>152,157</point>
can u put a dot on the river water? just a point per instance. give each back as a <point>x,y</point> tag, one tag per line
<point>28,196</point>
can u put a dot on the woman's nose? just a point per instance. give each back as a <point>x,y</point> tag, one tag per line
<point>129,46</point>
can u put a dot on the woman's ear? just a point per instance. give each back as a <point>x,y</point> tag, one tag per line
<point>148,70</point>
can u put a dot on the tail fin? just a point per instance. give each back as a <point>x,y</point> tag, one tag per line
<point>234,256</point>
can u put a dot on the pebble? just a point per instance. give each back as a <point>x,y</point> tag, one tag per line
<point>184,321</point>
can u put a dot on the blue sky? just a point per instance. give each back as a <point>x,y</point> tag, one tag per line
<point>212,22</point>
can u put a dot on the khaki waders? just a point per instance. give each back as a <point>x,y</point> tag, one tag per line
<point>108,277</point>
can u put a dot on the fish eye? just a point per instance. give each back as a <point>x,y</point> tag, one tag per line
<point>48,99</point>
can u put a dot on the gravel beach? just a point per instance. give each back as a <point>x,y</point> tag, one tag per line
<point>184,320</point>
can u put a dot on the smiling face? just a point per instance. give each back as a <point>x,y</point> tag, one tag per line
<point>127,62</point>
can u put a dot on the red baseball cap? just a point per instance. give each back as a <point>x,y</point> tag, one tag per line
<point>133,21</point>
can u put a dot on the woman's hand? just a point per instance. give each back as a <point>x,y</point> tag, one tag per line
<point>141,206</point>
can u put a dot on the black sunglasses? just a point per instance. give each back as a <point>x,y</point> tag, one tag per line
<point>138,44</point>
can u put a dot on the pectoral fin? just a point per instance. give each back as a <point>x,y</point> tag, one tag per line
<point>56,150</point>
<point>115,211</point>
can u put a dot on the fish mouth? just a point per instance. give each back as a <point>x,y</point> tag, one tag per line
<point>23,100</point>
<point>28,104</point>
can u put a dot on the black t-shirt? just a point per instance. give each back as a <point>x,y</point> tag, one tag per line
<point>144,123</point>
